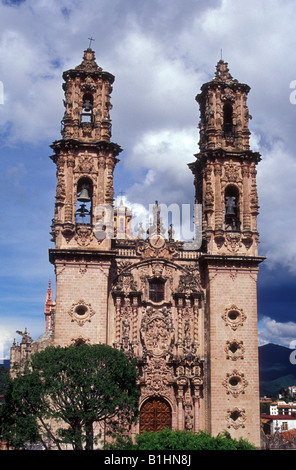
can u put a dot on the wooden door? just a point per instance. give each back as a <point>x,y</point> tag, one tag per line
<point>155,415</point>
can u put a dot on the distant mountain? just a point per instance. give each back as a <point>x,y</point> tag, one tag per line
<point>275,369</point>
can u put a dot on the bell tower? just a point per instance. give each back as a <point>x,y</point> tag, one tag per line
<point>85,156</point>
<point>225,186</point>
<point>85,159</point>
<point>225,168</point>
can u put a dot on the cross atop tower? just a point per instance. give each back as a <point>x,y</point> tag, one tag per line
<point>91,39</point>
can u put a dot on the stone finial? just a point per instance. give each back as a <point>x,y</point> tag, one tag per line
<point>89,62</point>
<point>222,71</point>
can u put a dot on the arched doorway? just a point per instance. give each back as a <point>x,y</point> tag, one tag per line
<point>155,415</point>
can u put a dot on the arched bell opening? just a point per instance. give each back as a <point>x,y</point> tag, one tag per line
<point>84,201</point>
<point>155,415</point>
<point>232,216</point>
<point>87,108</point>
<point>228,119</point>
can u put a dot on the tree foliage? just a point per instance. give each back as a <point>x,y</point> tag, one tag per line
<point>168,439</point>
<point>3,378</point>
<point>75,387</point>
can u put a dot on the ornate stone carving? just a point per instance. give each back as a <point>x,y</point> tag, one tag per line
<point>125,284</point>
<point>158,269</point>
<point>81,312</point>
<point>233,241</point>
<point>156,377</point>
<point>157,332</point>
<point>235,383</point>
<point>84,235</point>
<point>188,284</point>
<point>234,317</point>
<point>189,371</point>
<point>234,350</point>
<point>236,418</point>
<point>247,240</point>
<point>232,173</point>
<point>209,197</point>
<point>83,269</point>
<point>80,340</point>
<point>188,415</point>
<point>85,164</point>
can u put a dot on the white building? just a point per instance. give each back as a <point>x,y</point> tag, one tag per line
<point>282,416</point>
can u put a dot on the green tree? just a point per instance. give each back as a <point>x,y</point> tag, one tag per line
<point>168,439</point>
<point>3,378</point>
<point>75,387</point>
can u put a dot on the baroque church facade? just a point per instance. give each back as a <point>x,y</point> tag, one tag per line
<point>188,314</point>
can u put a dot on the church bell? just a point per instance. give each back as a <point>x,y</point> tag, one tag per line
<point>230,206</point>
<point>84,196</point>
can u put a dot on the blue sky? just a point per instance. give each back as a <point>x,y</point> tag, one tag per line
<point>160,53</point>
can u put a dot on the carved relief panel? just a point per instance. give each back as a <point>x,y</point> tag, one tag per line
<point>162,332</point>
<point>157,332</point>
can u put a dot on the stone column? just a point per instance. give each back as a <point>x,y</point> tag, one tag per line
<point>196,401</point>
<point>180,396</point>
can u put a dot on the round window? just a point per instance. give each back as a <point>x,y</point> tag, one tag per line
<point>234,382</point>
<point>233,315</point>
<point>81,310</point>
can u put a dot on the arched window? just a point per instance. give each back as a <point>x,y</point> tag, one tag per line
<point>156,290</point>
<point>227,119</point>
<point>232,218</point>
<point>84,201</point>
<point>87,108</point>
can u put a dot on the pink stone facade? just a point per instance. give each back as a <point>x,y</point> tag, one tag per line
<point>189,317</point>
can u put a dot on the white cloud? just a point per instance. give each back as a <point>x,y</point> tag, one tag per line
<point>160,55</point>
<point>5,343</point>
<point>162,158</point>
<point>9,327</point>
<point>272,331</point>
<point>277,190</point>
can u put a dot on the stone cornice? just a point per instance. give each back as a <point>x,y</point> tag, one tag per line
<point>66,144</point>
<point>221,153</point>
<point>78,254</point>
<point>227,261</point>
